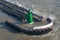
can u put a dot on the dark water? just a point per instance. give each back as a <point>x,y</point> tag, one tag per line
<point>50,6</point>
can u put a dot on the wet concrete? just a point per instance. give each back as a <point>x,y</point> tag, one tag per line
<point>50,6</point>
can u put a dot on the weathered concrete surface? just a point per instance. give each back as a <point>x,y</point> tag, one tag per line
<point>50,6</point>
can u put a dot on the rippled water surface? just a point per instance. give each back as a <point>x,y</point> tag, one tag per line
<point>48,6</point>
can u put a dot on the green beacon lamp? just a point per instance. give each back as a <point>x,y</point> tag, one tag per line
<point>29,17</point>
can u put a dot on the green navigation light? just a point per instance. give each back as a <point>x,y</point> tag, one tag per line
<point>30,17</point>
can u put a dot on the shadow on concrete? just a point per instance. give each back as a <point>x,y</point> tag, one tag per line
<point>15,16</point>
<point>11,15</point>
